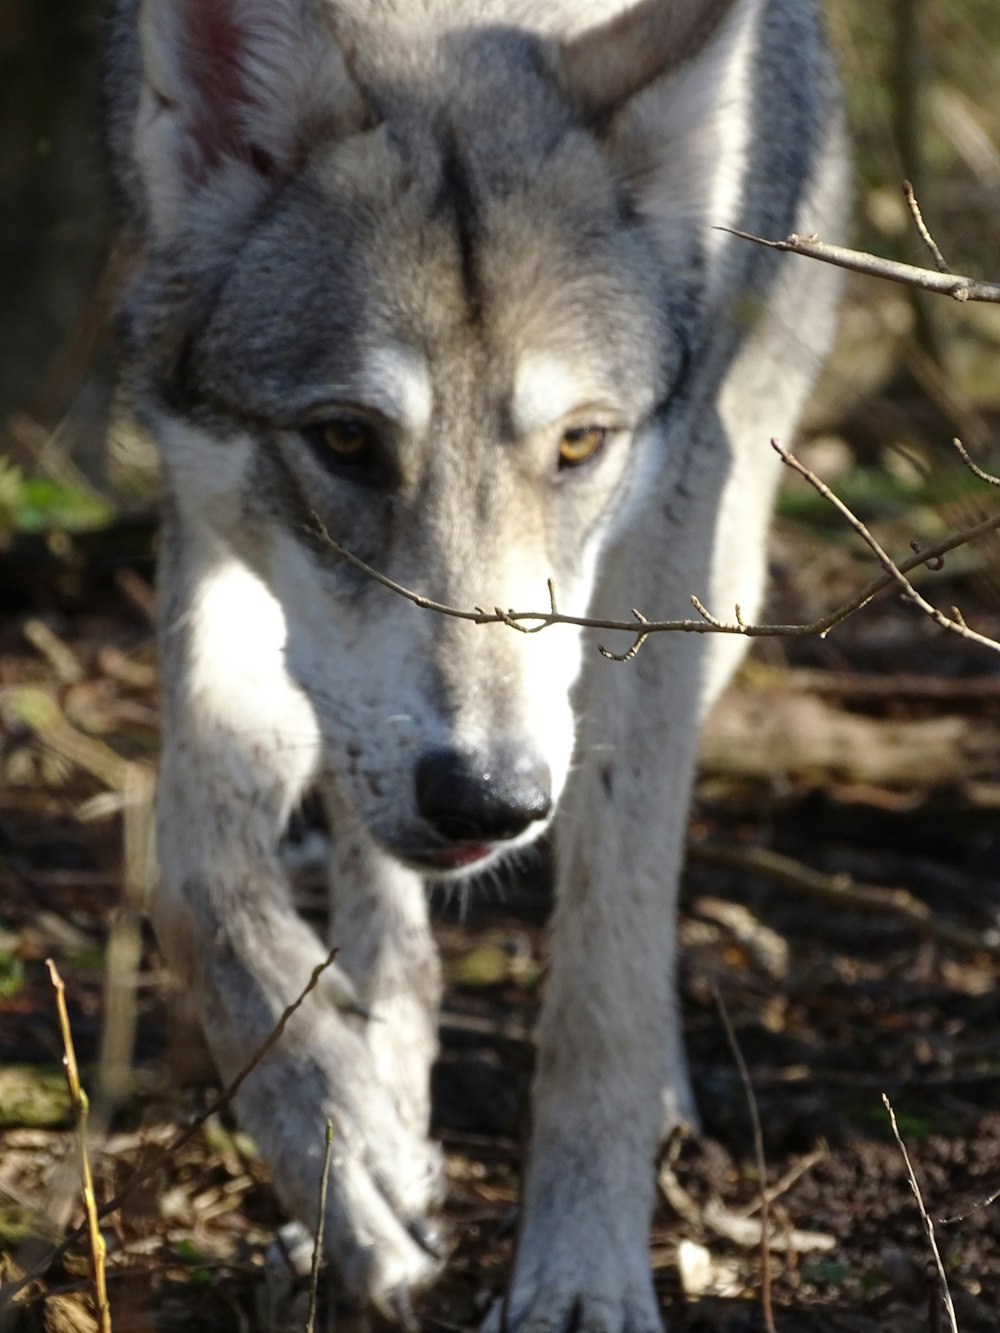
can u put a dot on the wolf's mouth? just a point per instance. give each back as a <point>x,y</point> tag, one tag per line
<point>453,858</point>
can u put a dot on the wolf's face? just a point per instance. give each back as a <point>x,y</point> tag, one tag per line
<point>439,339</point>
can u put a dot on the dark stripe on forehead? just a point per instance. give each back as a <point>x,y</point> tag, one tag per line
<point>458,198</point>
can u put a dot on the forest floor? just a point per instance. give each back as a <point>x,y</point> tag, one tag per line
<point>841,903</point>
<point>865,962</point>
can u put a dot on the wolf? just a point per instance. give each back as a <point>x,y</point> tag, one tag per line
<point>446,285</point>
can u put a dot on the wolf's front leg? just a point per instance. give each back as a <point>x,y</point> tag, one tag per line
<point>610,1028</point>
<point>379,922</point>
<point>240,745</point>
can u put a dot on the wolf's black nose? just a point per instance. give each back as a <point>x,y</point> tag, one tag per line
<point>469,797</point>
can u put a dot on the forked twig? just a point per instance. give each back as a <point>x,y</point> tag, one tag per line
<point>740,1227</point>
<point>633,648</point>
<point>894,573</point>
<point>956,286</point>
<point>96,1248</point>
<point>928,1224</point>
<point>142,1173</point>
<point>530,622</point>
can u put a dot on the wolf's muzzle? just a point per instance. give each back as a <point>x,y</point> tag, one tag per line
<point>471,797</point>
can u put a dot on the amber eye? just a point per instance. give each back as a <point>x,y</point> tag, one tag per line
<point>580,443</point>
<point>346,437</point>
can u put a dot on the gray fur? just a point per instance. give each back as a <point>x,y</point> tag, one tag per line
<point>473,225</point>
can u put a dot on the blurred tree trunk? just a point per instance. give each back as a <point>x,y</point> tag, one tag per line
<point>53,219</point>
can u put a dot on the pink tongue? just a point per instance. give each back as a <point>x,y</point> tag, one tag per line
<point>459,856</point>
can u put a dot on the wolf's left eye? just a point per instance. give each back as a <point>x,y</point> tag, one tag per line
<point>346,437</point>
<point>580,443</point>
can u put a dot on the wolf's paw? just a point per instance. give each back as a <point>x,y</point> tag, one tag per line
<point>383,1257</point>
<point>385,1177</point>
<point>574,1285</point>
<point>378,1234</point>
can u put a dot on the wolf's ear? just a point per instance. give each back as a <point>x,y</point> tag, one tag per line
<point>236,83</point>
<point>606,66</point>
<point>655,83</point>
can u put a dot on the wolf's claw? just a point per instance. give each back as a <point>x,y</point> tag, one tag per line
<point>399,1308</point>
<point>430,1236</point>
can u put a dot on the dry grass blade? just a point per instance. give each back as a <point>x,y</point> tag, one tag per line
<point>124,946</point>
<point>928,1224</point>
<point>317,1254</point>
<point>766,1307</point>
<point>96,1247</point>
<point>10,1292</point>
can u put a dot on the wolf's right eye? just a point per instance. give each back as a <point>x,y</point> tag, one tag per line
<point>579,444</point>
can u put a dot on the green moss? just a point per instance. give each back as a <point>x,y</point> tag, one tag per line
<point>33,1096</point>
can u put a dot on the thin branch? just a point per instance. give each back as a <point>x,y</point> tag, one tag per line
<point>229,1092</point>
<point>634,647</point>
<point>954,623</point>
<point>843,891</point>
<point>794,1174</point>
<point>986,1202</point>
<point>740,1228</point>
<point>747,1232</point>
<point>767,1311</point>
<point>963,453</point>
<point>96,1248</point>
<point>911,202</point>
<point>956,286</point>
<point>928,1224</point>
<point>10,1292</point>
<point>317,1254</point>
<point>532,621</point>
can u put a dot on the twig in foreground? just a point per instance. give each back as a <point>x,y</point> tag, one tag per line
<point>95,1241</point>
<point>928,1224</point>
<point>317,1254</point>
<point>739,1228</point>
<point>955,623</point>
<point>977,471</point>
<point>909,194</point>
<point>956,286</point>
<point>766,1309</point>
<point>9,1293</point>
<point>531,622</point>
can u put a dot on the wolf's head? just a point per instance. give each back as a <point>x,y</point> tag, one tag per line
<point>404,283</point>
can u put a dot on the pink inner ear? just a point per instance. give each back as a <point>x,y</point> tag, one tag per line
<point>215,59</point>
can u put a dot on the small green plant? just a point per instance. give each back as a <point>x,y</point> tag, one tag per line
<point>11,974</point>
<point>39,504</point>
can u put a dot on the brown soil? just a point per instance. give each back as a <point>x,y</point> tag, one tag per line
<point>832,1007</point>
